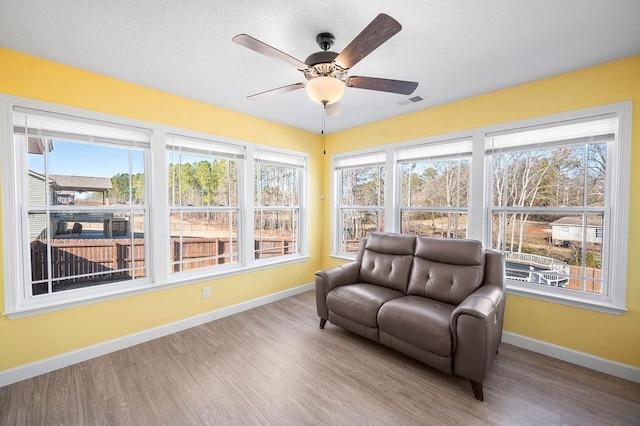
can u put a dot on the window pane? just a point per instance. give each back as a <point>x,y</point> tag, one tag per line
<point>129,187</point>
<point>551,177</point>
<point>434,224</point>
<point>363,186</point>
<point>203,232</point>
<point>203,239</point>
<point>86,249</point>
<point>277,215</point>
<point>360,187</point>
<point>37,226</point>
<point>356,225</point>
<point>441,183</point>
<point>196,180</point>
<point>593,243</point>
<point>548,249</point>
<point>596,174</point>
<point>36,174</point>
<point>276,185</point>
<point>275,232</point>
<point>89,174</point>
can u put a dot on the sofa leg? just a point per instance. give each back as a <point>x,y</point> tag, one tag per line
<point>477,390</point>
<point>322,322</point>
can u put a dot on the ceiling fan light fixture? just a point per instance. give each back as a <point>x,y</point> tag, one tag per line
<point>325,90</point>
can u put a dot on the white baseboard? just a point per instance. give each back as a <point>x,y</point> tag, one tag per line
<point>593,362</point>
<point>27,371</point>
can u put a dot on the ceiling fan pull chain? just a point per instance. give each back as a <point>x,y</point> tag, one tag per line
<point>324,117</point>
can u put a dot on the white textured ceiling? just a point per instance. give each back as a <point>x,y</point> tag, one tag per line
<point>453,48</point>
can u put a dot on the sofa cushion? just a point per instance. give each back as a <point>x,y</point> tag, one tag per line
<point>447,270</point>
<point>360,302</point>
<point>419,321</point>
<point>391,243</point>
<point>387,260</point>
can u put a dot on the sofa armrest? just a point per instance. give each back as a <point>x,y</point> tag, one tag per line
<point>328,279</point>
<point>494,268</point>
<point>476,325</point>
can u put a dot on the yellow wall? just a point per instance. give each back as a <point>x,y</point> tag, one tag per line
<point>26,340</point>
<point>612,337</point>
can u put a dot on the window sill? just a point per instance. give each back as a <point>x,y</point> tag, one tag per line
<point>576,302</point>
<point>175,280</point>
<point>341,256</point>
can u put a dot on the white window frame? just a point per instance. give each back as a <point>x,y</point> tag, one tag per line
<point>374,157</point>
<point>15,228</point>
<point>613,300</point>
<point>479,198</point>
<point>157,222</point>
<point>449,150</point>
<point>287,159</point>
<point>207,148</point>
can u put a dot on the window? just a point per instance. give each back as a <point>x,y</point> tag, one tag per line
<point>434,189</point>
<point>278,181</point>
<point>360,183</point>
<point>82,202</point>
<point>551,192</point>
<point>204,203</point>
<point>96,207</point>
<point>550,198</point>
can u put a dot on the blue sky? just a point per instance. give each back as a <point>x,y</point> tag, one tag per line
<point>81,159</point>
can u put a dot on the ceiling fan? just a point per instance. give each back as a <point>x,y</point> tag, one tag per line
<point>326,71</point>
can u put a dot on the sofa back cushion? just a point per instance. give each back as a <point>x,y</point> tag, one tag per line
<point>447,270</point>
<point>387,260</point>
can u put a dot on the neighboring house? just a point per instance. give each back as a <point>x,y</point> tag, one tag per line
<point>63,192</point>
<point>569,228</point>
<point>65,187</point>
<point>36,197</point>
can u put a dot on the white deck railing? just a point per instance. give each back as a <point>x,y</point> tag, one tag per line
<point>537,260</point>
<point>556,275</point>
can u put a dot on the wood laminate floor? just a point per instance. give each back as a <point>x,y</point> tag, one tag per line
<point>273,366</point>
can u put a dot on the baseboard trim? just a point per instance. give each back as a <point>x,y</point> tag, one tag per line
<point>593,362</point>
<point>37,368</point>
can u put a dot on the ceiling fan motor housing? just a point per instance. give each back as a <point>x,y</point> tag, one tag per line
<point>321,65</point>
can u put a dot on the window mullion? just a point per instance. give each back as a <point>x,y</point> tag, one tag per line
<point>391,215</point>
<point>157,195</point>
<point>248,210</point>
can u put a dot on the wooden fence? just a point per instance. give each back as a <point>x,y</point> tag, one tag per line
<point>351,246</point>
<point>74,257</point>
<point>98,257</point>
<point>593,285</point>
<point>202,252</point>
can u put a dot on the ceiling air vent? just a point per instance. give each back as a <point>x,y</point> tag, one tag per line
<point>412,100</point>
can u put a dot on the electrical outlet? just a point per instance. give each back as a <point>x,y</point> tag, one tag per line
<point>206,292</point>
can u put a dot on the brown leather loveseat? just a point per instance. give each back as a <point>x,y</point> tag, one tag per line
<point>440,301</point>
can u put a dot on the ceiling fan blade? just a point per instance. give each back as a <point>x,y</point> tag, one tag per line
<point>263,48</point>
<point>381,29</point>
<point>333,109</point>
<point>382,84</point>
<point>279,90</point>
